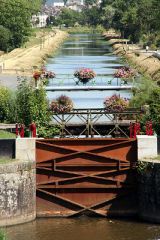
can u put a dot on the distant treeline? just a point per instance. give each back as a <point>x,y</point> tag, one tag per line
<point>137,20</point>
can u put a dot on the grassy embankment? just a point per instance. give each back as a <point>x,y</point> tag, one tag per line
<point>42,44</point>
<point>6,134</point>
<point>144,62</point>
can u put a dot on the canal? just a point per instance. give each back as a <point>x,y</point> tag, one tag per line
<point>83,229</point>
<point>89,51</point>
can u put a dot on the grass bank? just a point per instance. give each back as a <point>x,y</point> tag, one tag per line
<point>34,53</point>
<point>6,134</point>
<point>144,61</point>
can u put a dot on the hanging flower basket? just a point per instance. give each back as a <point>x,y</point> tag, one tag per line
<point>36,75</point>
<point>125,73</point>
<point>84,74</point>
<point>43,75</point>
<point>115,103</point>
<point>62,104</point>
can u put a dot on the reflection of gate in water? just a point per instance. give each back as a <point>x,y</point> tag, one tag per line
<point>95,122</point>
<point>86,176</point>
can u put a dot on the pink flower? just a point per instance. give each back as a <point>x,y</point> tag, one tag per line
<point>62,104</point>
<point>84,74</point>
<point>116,103</point>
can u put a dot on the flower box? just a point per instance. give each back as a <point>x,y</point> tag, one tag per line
<point>84,74</point>
<point>43,75</point>
<point>125,73</point>
<point>116,103</point>
<point>62,104</point>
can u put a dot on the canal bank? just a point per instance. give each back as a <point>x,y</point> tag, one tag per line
<point>33,54</point>
<point>144,61</point>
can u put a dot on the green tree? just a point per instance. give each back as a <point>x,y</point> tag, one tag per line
<point>90,16</point>
<point>15,15</point>
<point>107,17</point>
<point>154,107</point>
<point>32,106</point>
<point>134,18</point>
<point>6,104</point>
<point>89,3</point>
<point>5,38</point>
<point>68,17</point>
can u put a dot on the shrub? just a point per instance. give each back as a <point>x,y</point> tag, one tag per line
<point>32,105</point>
<point>6,105</point>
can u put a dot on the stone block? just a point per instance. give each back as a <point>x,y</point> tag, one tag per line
<point>17,192</point>
<point>26,149</point>
<point>146,147</point>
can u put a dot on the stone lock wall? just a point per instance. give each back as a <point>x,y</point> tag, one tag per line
<point>18,185</point>
<point>18,181</point>
<point>149,179</point>
<point>149,192</point>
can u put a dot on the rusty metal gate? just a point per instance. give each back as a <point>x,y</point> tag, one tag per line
<point>86,177</point>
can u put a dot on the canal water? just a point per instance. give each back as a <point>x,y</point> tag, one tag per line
<point>83,229</point>
<point>84,51</point>
<point>89,51</point>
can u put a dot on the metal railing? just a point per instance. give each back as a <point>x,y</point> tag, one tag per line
<point>95,123</point>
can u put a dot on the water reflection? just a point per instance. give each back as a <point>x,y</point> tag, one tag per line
<point>83,229</point>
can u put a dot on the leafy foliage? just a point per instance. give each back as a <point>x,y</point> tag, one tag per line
<point>148,94</point>
<point>15,17</point>
<point>5,38</point>
<point>154,103</point>
<point>7,106</point>
<point>2,235</point>
<point>68,17</point>
<point>32,106</point>
<point>134,18</point>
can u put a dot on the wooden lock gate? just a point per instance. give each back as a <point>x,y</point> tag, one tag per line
<point>86,177</point>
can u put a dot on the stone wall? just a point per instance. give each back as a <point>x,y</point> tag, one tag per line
<point>18,185</point>
<point>17,192</point>
<point>7,148</point>
<point>149,179</point>
<point>149,192</point>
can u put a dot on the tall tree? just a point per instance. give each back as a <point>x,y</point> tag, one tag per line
<point>15,15</point>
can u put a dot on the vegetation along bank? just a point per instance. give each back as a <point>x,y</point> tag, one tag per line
<point>145,62</point>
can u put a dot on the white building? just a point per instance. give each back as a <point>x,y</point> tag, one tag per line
<point>58,3</point>
<point>75,2</point>
<point>39,20</point>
